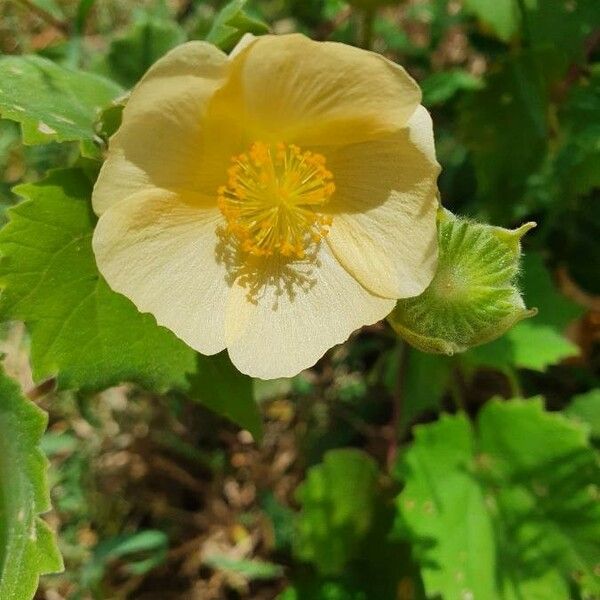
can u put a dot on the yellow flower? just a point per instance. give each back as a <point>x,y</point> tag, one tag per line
<point>270,202</point>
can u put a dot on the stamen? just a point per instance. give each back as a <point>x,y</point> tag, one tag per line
<point>273,197</point>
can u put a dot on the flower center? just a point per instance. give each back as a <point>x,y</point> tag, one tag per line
<point>272,199</point>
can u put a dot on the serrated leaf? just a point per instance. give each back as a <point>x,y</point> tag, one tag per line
<point>473,297</point>
<point>537,343</point>
<point>81,331</point>
<point>219,386</point>
<point>231,23</point>
<point>338,502</point>
<point>51,102</point>
<point>505,510</point>
<point>527,346</point>
<point>27,546</point>
<point>131,54</point>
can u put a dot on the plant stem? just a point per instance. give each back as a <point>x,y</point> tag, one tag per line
<point>397,403</point>
<point>515,384</point>
<point>456,386</point>
<point>366,33</point>
<point>524,22</point>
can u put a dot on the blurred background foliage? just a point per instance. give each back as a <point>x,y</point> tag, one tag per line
<point>382,473</point>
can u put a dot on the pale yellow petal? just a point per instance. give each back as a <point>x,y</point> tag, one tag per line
<point>278,327</point>
<point>160,249</point>
<point>384,210</point>
<point>164,140</point>
<point>292,89</point>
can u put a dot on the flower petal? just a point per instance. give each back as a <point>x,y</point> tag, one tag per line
<point>289,88</point>
<point>287,324</point>
<point>164,140</point>
<point>384,210</point>
<point>159,249</point>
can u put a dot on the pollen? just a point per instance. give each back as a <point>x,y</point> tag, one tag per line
<point>274,198</point>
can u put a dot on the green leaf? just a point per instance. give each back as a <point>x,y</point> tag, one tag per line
<point>141,551</point>
<point>27,546</point>
<point>501,16</point>
<point>497,511</point>
<point>576,173</point>
<point>131,54</point>
<point>560,28</point>
<point>585,409</point>
<point>426,380</point>
<point>231,23</point>
<point>338,503</point>
<point>473,297</point>
<point>252,570</point>
<point>51,102</point>
<point>322,590</point>
<point>441,87</point>
<point>538,343</point>
<point>504,125</point>
<point>81,331</point>
<point>554,309</point>
<point>219,386</point>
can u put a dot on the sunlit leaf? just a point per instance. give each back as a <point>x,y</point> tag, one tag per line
<point>27,546</point>
<point>81,331</point>
<point>249,569</point>
<point>231,23</point>
<point>51,102</point>
<point>498,511</point>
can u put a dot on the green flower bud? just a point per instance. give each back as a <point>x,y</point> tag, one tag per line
<point>473,297</point>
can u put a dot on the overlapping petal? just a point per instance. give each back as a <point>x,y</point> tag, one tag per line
<point>285,327</point>
<point>165,139</point>
<point>160,249</point>
<point>290,88</point>
<point>384,226</point>
<point>160,239</point>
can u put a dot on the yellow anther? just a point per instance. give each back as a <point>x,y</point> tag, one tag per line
<point>274,197</point>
